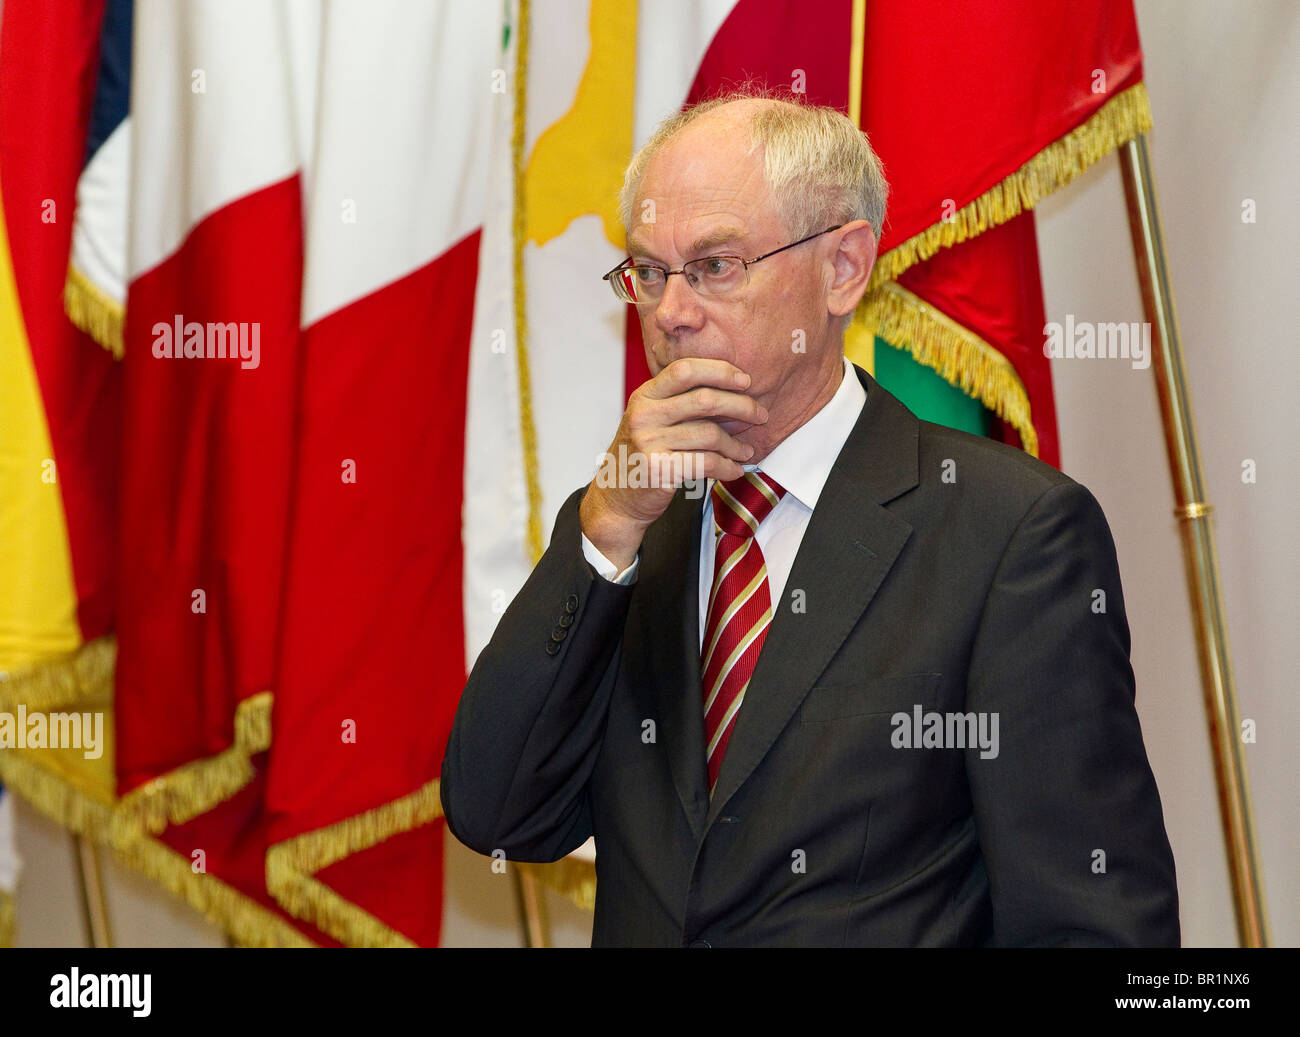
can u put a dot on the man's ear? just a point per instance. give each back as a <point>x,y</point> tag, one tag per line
<point>851,267</point>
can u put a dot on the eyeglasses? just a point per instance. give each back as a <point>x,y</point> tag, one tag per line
<point>642,284</point>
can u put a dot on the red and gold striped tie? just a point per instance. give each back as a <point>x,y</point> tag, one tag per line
<point>740,607</point>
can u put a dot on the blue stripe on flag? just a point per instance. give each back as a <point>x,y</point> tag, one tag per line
<point>113,85</point>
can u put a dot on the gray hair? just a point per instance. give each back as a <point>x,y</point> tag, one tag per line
<point>820,167</point>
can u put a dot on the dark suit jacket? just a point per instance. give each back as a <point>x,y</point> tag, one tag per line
<point>976,593</point>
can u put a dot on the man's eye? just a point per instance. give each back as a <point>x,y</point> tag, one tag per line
<point>648,274</point>
<point>719,266</point>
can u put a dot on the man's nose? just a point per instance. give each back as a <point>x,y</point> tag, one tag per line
<point>679,307</point>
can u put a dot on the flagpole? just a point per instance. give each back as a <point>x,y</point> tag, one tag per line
<point>532,909</point>
<point>857,44</point>
<point>94,907</point>
<point>1198,543</point>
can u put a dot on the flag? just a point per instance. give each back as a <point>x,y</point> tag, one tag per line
<point>59,399</point>
<point>372,635</point>
<point>95,293</point>
<point>979,113</point>
<point>61,93</point>
<point>284,227</point>
<point>282,705</point>
<point>213,241</point>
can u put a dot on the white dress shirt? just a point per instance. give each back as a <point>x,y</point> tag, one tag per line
<point>801,463</point>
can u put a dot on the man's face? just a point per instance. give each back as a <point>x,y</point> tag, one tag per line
<point>711,198</point>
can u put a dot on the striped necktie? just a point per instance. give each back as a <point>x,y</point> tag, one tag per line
<point>740,607</point>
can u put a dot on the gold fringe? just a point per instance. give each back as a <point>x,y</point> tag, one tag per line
<point>575,879</point>
<point>6,919</point>
<point>956,354</point>
<point>179,796</point>
<point>251,924</point>
<point>54,797</point>
<point>245,919</point>
<point>194,788</point>
<point>292,865</point>
<point>127,825</point>
<point>527,426</point>
<point>1119,120</point>
<point>80,676</point>
<point>95,313</point>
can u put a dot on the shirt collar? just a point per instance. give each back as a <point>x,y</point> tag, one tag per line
<point>802,461</point>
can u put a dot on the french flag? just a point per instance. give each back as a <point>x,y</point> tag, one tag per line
<point>306,192</point>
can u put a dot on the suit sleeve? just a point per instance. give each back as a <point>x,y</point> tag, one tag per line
<point>1069,818</point>
<point>529,725</point>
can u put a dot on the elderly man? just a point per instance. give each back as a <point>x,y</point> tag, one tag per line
<point>860,692</point>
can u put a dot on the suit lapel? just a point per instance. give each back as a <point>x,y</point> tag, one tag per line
<point>670,579</point>
<point>848,548</point>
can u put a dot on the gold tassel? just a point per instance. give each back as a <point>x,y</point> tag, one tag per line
<point>54,797</point>
<point>527,426</point>
<point>86,676</point>
<point>956,354</point>
<point>245,919</point>
<point>292,865</point>
<point>194,788</point>
<point>1119,120</point>
<point>95,313</point>
<point>83,676</point>
<point>125,825</point>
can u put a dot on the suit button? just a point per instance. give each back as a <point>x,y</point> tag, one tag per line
<point>552,648</point>
<point>558,635</point>
<point>571,605</point>
<point>699,943</point>
<point>565,621</point>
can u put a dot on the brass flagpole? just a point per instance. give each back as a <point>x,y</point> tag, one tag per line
<point>94,904</point>
<point>1193,513</point>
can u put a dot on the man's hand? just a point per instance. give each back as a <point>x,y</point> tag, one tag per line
<point>671,427</point>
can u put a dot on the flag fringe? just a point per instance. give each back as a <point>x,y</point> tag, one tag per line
<point>196,787</point>
<point>84,677</point>
<point>569,877</point>
<point>128,825</point>
<point>80,676</point>
<point>247,921</point>
<point>54,796</point>
<point>95,313</point>
<point>956,354</point>
<point>291,867</point>
<point>519,234</point>
<point>1119,120</point>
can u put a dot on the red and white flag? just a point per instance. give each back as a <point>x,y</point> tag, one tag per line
<point>306,195</point>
